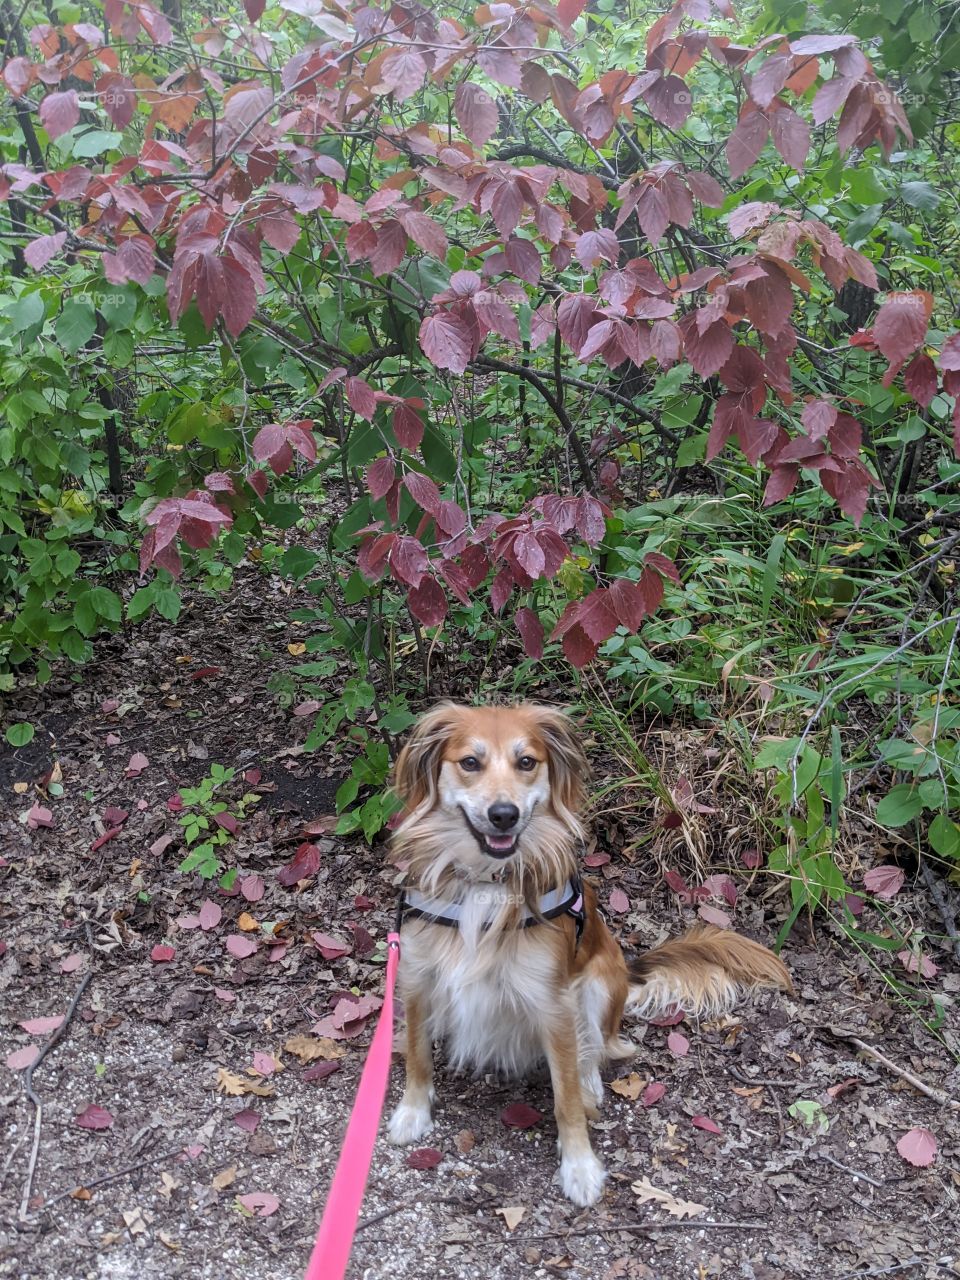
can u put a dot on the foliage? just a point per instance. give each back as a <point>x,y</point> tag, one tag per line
<point>592,331</point>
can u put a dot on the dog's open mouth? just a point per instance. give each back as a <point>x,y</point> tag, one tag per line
<point>493,846</point>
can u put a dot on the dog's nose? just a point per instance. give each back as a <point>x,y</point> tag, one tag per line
<point>503,816</point>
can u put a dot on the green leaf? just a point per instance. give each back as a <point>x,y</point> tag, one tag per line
<point>920,195</point>
<point>95,142</point>
<point>943,835</point>
<point>899,806</point>
<point>296,562</point>
<point>141,600</point>
<point>27,311</point>
<point>106,603</point>
<point>168,603</point>
<point>18,735</point>
<point>866,187</point>
<point>77,325</point>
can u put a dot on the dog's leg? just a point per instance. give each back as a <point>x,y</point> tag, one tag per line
<point>412,1118</point>
<point>581,1173</point>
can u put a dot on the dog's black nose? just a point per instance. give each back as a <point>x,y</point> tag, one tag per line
<point>503,816</point>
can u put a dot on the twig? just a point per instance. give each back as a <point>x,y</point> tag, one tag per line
<point>939,896</point>
<point>854,1173</point>
<point>931,1090</point>
<point>111,1177</point>
<point>776,1084</point>
<point>28,1089</point>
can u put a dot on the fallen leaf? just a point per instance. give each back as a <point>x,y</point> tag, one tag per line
<point>519,1116</point>
<point>113,817</point>
<point>295,650</point>
<point>136,765</point>
<point>305,863</point>
<point>653,1093</point>
<point>618,902</point>
<point>209,914</point>
<point>240,946</point>
<point>252,888</point>
<point>162,954</point>
<point>104,839</point>
<point>310,1048</point>
<point>424,1158</point>
<point>235,1086</point>
<point>678,1044</point>
<point>265,1064</point>
<point>918,1147</point>
<point>39,816</point>
<point>511,1215</point>
<point>228,997</point>
<point>644,1190</point>
<point>225,1178</point>
<point>81,1193</point>
<point>319,1072</point>
<point>465,1141</point>
<point>330,948</point>
<point>252,776</point>
<point>308,708</point>
<point>20,1059</point>
<point>161,843</point>
<point>246,1119</point>
<point>883,882</point>
<point>93,1117</point>
<point>628,1086</point>
<point>713,915</point>
<point>261,1203</point>
<point>167,1240</point>
<point>705,1123</point>
<point>134,1221</point>
<point>912,962</point>
<point>41,1026</point>
<point>247,923</point>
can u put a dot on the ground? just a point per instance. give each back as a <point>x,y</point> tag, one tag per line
<point>816,1190</point>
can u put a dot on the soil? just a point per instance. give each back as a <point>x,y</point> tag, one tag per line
<point>815,1190</point>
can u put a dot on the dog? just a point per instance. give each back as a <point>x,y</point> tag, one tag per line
<point>505,957</point>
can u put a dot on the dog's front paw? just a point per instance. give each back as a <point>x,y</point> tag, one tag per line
<point>409,1122</point>
<point>582,1178</point>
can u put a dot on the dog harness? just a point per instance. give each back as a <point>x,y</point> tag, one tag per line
<point>566,900</point>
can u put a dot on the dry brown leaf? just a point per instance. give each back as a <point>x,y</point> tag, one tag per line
<point>225,1178</point>
<point>246,922</point>
<point>645,1190</point>
<point>465,1141</point>
<point>168,1185</point>
<point>236,1086</point>
<point>628,1086</point>
<point>81,1193</point>
<point>310,1048</point>
<point>168,1240</point>
<point>511,1215</point>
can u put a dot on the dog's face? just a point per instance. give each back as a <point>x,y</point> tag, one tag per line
<point>491,772</point>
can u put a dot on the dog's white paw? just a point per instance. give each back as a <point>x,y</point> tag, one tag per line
<point>408,1123</point>
<point>582,1178</point>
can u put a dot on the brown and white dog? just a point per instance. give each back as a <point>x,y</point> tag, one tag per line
<point>489,840</point>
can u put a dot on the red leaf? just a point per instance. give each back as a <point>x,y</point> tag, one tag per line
<point>20,1059</point>
<point>531,632</point>
<point>39,252</point>
<point>361,397</point>
<point>59,112</point>
<point>427,602</point>
<point>247,1119</point>
<point>618,903</point>
<point>107,836</point>
<point>883,882</point>
<point>209,915</point>
<point>653,1093</point>
<point>39,816</point>
<point>136,765</point>
<point>94,1118</point>
<point>713,915</point>
<point>791,136</point>
<point>901,324</point>
<point>476,112</point>
<point>408,561</point>
<point>918,1147</point>
<point>261,1203</point>
<point>118,96</point>
<point>252,888</point>
<point>254,9</point>
<point>320,1071</point>
<point>424,1158</point>
<point>746,142</point>
<point>446,340</point>
<point>41,1026</point>
<point>519,1116</point>
<point>911,961</point>
<point>162,954</point>
<point>678,1044</point>
<point>705,1123</point>
<point>423,491</point>
<point>380,477</point>
<point>920,379</point>
<point>240,946</point>
<point>305,863</point>
<point>330,948</point>
<point>407,427</point>
<point>402,72</point>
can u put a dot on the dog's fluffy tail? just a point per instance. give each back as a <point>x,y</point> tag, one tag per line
<point>703,972</point>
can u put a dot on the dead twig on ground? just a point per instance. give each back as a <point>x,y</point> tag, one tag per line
<point>931,1090</point>
<point>939,894</point>
<point>111,1177</point>
<point>51,1043</point>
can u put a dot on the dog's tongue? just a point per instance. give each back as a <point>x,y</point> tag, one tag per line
<point>501,843</point>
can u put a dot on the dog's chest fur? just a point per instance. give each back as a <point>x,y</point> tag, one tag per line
<point>489,992</point>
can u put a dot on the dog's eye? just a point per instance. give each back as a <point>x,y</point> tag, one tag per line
<point>526,763</point>
<point>470,764</point>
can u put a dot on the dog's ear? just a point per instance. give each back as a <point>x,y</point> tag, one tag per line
<point>418,765</point>
<point>565,756</point>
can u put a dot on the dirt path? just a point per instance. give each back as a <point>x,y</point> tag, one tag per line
<point>815,1190</point>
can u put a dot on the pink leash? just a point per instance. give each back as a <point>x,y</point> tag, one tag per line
<point>331,1252</point>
